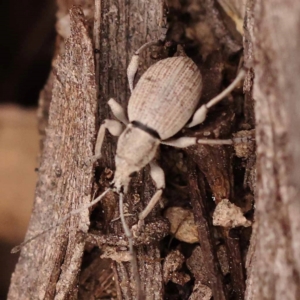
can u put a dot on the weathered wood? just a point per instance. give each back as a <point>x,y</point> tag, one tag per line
<point>208,248</point>
<point>48,266</point>
<point>272,47</point>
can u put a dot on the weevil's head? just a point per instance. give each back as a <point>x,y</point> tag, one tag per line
<point>135,149</point>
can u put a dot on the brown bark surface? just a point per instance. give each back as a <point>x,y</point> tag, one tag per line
<point>271,46</point>
<point>48,267</point>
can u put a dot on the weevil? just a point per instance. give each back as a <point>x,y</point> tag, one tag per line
<point>163,101</point>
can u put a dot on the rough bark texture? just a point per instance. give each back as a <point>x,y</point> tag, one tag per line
<point>272,51</point>
<point>207,245</point>
<point>48,267</point>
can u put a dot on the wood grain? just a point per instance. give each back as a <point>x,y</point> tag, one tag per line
<point>51,262</point>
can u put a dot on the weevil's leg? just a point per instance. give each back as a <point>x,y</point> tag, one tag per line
<point>114,127</point>
<point>129,235</point>
<point>134,64</point>
<point>158,176</point>
<point>184,142</point>
<point>117,111</point>
<point>200,114</point>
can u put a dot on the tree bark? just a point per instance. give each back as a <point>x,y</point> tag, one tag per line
<point>272,45</point>
<point>48,266</point>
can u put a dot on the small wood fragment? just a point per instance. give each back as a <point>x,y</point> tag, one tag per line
<point>183,226</point>
<point>229,215</point>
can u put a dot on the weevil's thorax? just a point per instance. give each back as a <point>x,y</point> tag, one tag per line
<point>135,149</point>
<point>166,96</point>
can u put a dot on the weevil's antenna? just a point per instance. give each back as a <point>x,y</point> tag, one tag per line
<point>134,63</point>
<point>128,233</point>
<point>230,88</point>
<point>61,221</point>
<point>200,114</point>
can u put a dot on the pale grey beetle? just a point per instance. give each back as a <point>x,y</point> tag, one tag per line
<point>161,104</point>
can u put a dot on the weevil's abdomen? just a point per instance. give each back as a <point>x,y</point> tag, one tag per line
<point>166,96</point>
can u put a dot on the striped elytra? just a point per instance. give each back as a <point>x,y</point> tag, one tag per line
<point>166,96</point>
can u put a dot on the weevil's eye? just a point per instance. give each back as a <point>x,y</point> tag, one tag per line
<point>133,174</point>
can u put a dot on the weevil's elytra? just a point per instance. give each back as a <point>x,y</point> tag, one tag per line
<point>161,94</point>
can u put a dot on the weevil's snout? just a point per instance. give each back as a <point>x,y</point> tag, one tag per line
<point>122,174</point>
<point>136,148</point>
